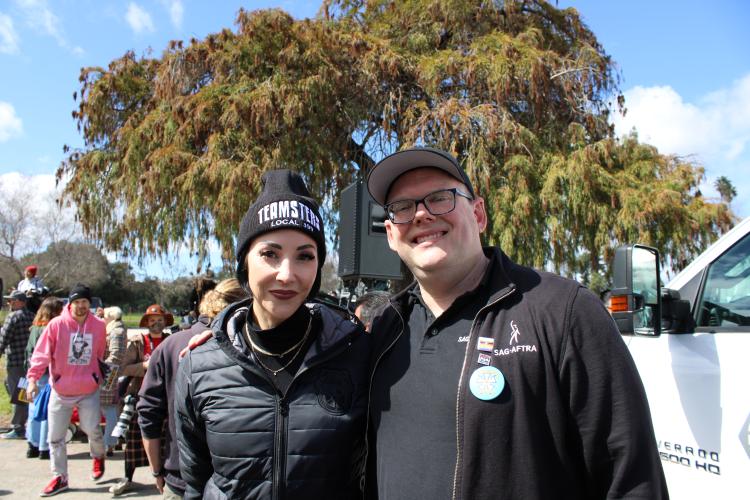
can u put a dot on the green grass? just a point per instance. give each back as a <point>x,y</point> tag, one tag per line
<point>131,320</point>
<point>5,407</point>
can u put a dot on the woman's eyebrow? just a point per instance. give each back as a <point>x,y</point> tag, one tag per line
<point>272,244</point>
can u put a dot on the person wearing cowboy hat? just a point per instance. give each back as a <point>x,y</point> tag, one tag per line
<point>139,349</point>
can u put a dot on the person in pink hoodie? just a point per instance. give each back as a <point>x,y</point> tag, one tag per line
<point>71,346</point>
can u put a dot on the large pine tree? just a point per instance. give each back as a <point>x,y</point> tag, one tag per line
<point>519,91</point>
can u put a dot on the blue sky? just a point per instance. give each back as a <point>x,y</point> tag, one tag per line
<point>684,65</point>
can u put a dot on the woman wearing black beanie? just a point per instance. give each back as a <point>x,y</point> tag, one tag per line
<point>275,404</point>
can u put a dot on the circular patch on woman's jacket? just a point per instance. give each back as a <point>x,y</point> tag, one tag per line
<point>335,391</point>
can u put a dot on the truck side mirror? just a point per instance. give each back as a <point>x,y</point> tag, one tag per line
<point>635,302</point>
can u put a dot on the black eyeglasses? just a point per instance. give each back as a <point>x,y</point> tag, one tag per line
<point>437,203</point>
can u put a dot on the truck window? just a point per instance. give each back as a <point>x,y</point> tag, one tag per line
<point>726,295</point>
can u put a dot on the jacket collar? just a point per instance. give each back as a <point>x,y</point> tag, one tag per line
<point>336,325</point>
<point>500,268</point>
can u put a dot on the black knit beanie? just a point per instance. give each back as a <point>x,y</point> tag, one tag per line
<point>284,203</point>
<point>80,291</point>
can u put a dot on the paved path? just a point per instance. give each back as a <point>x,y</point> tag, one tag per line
<point>23,478</point>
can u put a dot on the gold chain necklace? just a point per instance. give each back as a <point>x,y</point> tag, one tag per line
<point>259,349</point>
<point>297,346</point>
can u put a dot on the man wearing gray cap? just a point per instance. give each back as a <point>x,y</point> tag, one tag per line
<point>494,380</point>
<point>13,339</point>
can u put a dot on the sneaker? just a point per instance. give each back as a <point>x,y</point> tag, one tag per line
<point>55,486</point>
<point>120,486</point>
<point>111,451</point>
<point>98,470</point>
<point>43,454</point>
<point>13,434</point>
<point>32,451</point>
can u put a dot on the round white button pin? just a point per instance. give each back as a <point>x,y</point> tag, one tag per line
<point>486,383</point>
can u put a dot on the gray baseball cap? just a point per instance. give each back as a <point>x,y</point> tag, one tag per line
<point>390,168</point>
<point>16,295</point>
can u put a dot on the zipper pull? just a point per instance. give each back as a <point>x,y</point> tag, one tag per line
<point>283,407</point>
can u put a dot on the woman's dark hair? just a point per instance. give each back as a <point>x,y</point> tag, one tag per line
<point>50,308</point>
<point>201,286</point>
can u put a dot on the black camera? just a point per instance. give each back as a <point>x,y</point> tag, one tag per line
<point>123,421</point>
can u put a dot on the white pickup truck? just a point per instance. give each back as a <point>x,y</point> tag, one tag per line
<point>691,343</point>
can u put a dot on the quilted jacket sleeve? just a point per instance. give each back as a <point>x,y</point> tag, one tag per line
<point>195,457</point>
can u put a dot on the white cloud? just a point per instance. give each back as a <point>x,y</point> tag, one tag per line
<point>176,11</point>
<point>44,184</point>
<point>40,17</point>
<point>180,261</point>
<point>139,19</point>
<point>715,130</point>
<point>45,191</point>
<point>10,124</point>
<point>8,35</point>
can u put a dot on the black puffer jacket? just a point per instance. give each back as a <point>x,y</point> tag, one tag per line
<point>240,438</point>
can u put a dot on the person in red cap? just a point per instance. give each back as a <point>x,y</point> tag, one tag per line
<point>139,349</point>
<point>31,281</point>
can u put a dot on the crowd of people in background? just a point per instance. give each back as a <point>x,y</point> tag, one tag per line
<point>68,364</point>
<point>102,372</point>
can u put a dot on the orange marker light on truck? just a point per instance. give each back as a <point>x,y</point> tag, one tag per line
<point>618,303</point>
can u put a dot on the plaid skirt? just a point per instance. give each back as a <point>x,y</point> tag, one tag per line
<point>108,397</point>
<point>135,453</point>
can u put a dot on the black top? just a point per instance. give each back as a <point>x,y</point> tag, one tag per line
<point>432,350</point>
<point>286,343</point>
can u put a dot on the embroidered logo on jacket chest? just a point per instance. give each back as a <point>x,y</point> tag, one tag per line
<point>335,391</point>
<point>516,342</point>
